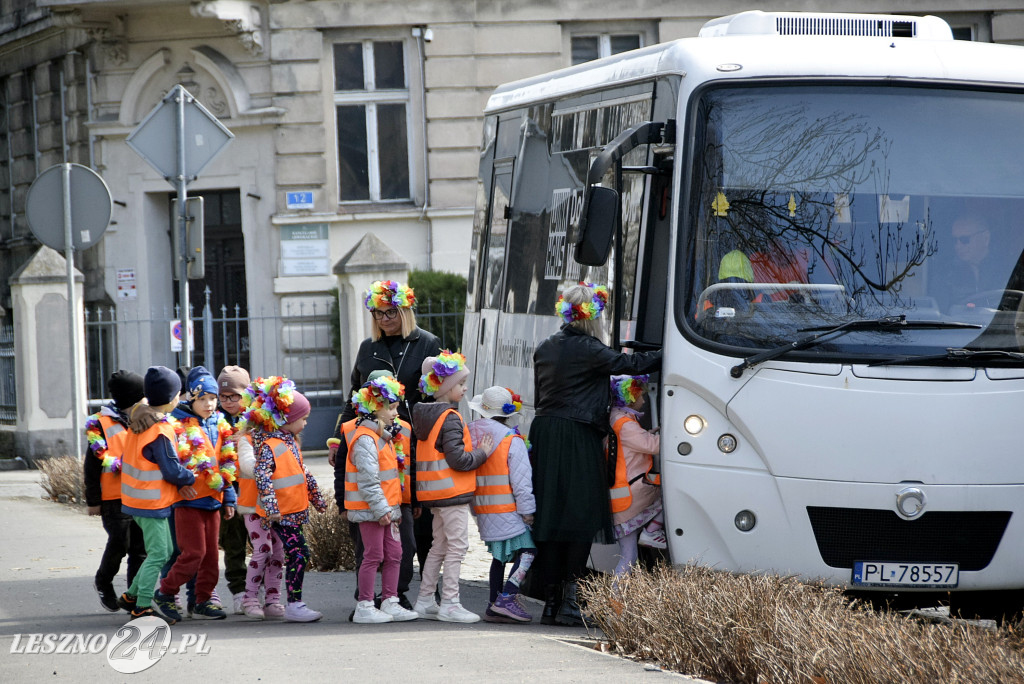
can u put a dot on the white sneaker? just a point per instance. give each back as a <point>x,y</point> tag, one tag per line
<point>426,609</point>
<point>393,608</point>
<point>299,612</point>
<point>367,614</point>
<point>655,539</point>
<point>454,612</point>
<point>238,602</point>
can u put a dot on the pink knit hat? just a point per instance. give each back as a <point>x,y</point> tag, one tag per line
<point>299,409</point>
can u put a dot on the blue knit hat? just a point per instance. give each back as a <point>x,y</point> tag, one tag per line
<point>200,381</point>
<point>161,385</point>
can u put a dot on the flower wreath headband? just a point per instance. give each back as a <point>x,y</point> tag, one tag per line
<point>626,389</point>
<point>448,363</point>
<point>267,401</point>
<point>585,311</point>
<point>376,394</point>
<point>389,293</point>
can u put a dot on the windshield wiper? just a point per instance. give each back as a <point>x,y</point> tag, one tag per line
<point>953,354</point>
<point>883,324</point>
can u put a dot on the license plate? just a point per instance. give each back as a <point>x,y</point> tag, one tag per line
<point>886,574</point>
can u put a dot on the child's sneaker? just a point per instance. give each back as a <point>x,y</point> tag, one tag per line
<point>299,612</point>
<point>215,600</point>
<point>507,605</point>
<point>273,611</point>
<point>163,606</point>
<point>454,612</point>
<point>208,610</point>
<point>108,599</point>
<point>136,613</point>
<point>426,609</point>
<point>490,616</point>
<point>393,607</point>
<point>251,609</point>
<point>655,539</point>
<point>238,602</point>
<point>126,602</point>
<point>367,614</point>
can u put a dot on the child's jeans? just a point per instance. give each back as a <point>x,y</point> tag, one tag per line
<point>157,534</point>
<point>197,531</point>
<point>266,566</point>
<point>451,541</point>
<point>380,544</point>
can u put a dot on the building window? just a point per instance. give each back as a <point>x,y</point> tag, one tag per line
<point>371,100</point>
<point>594,46</point>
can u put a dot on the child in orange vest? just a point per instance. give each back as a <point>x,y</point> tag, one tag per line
<point>106,433</point>
<point>636,501</point>
<point>276,415</point>
<point>150,450</point>
<point>503,502</point>
<point>373,498</point>
<point>445,461</point>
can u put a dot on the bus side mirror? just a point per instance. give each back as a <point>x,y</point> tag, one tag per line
<point>597,226</point>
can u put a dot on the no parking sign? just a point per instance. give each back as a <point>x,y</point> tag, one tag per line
<point>176,336</point>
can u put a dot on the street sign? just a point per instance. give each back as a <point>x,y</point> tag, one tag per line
<point>299,200</point>
<point>91,207</point>
<point>155,141</point>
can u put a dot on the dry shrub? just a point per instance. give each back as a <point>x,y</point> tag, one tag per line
<point>329,542</point>
<point>769,629</point>
<point>62,478</point>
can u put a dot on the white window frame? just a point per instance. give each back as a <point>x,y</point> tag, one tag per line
<point>370,98</point>
<point>604,31</point>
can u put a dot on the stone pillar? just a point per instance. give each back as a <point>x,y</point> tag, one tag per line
<point>42,353</point>
<point>370,260</point>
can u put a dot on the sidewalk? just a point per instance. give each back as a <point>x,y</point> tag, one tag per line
<point>49,553</point>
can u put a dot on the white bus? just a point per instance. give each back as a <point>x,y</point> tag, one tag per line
<point>820,219</point>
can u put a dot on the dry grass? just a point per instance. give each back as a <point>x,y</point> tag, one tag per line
<point>62,478</point>
<point>328,539</point>
<point>771,630</point>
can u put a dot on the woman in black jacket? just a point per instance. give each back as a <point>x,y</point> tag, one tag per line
<point>571,391</point>
<point>396,345</point>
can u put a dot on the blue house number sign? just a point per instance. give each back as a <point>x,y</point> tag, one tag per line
<point>299,200</point>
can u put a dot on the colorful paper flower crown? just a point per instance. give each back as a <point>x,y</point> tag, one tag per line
<point>515,405</point>
<point>626,389</point>
<point>448,363</point>
<point>267,401</point>
<point>585,311</point>
<point>389,293</point>
<point>376,394</point>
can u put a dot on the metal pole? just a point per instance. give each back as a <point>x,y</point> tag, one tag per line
<point>69,257</point>
<point>186,338</point>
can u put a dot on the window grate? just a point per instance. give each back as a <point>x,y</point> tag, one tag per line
<point>838,26</point>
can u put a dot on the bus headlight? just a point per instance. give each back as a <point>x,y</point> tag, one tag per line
<point>727,443</point>
<point>745,521</point>
<point>694,424</point>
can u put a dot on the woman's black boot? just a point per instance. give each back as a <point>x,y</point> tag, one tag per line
<point>552,599</point>
<point>569,612</point>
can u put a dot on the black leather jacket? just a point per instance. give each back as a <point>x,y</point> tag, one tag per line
<point>571,372</point>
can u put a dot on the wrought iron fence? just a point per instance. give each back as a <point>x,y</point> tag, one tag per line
<point>8,387</point>
<point>444,319</point>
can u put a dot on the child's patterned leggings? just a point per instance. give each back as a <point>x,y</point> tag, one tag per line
<point>266,567</point>
<point>520,564</point>
<point>296,555</point>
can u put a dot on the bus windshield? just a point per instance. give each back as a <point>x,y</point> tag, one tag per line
<point>816,205</point>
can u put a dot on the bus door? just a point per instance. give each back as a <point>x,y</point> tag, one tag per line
<point>492,269</point>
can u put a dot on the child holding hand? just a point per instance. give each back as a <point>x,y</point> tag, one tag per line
<point>445,482</point>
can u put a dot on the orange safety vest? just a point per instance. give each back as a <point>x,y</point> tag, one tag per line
<point>435,481</point>
<point>288,479</point>
<point>115,435</point>
<point>248,495</point>
<point>621,497</point>
<point>203,489</point>
<point>493,485</point>
<point>142,483</point>
<point>387,462</point>
<point>404,437</point>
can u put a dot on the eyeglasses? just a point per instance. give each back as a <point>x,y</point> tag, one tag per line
<point>379,315</point>
<point>966,239</point>
<point>231,398</point>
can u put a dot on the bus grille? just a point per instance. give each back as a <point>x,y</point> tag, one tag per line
<point>845,535</point>
<point>837,26</point>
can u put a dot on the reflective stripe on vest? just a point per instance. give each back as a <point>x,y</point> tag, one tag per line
<point>619,493</point>
<point>288,479</point>
<point>115,435</point>
<point>387,463</point>
<point>435,481</point>
<point>493,485</point>
<point>142,484</point>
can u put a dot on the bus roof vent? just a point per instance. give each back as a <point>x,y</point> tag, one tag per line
<point>756,22</point>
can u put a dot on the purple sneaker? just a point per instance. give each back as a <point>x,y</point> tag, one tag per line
<point>507,605</point>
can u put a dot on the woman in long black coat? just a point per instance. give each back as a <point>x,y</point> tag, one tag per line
<point>571,372</point>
